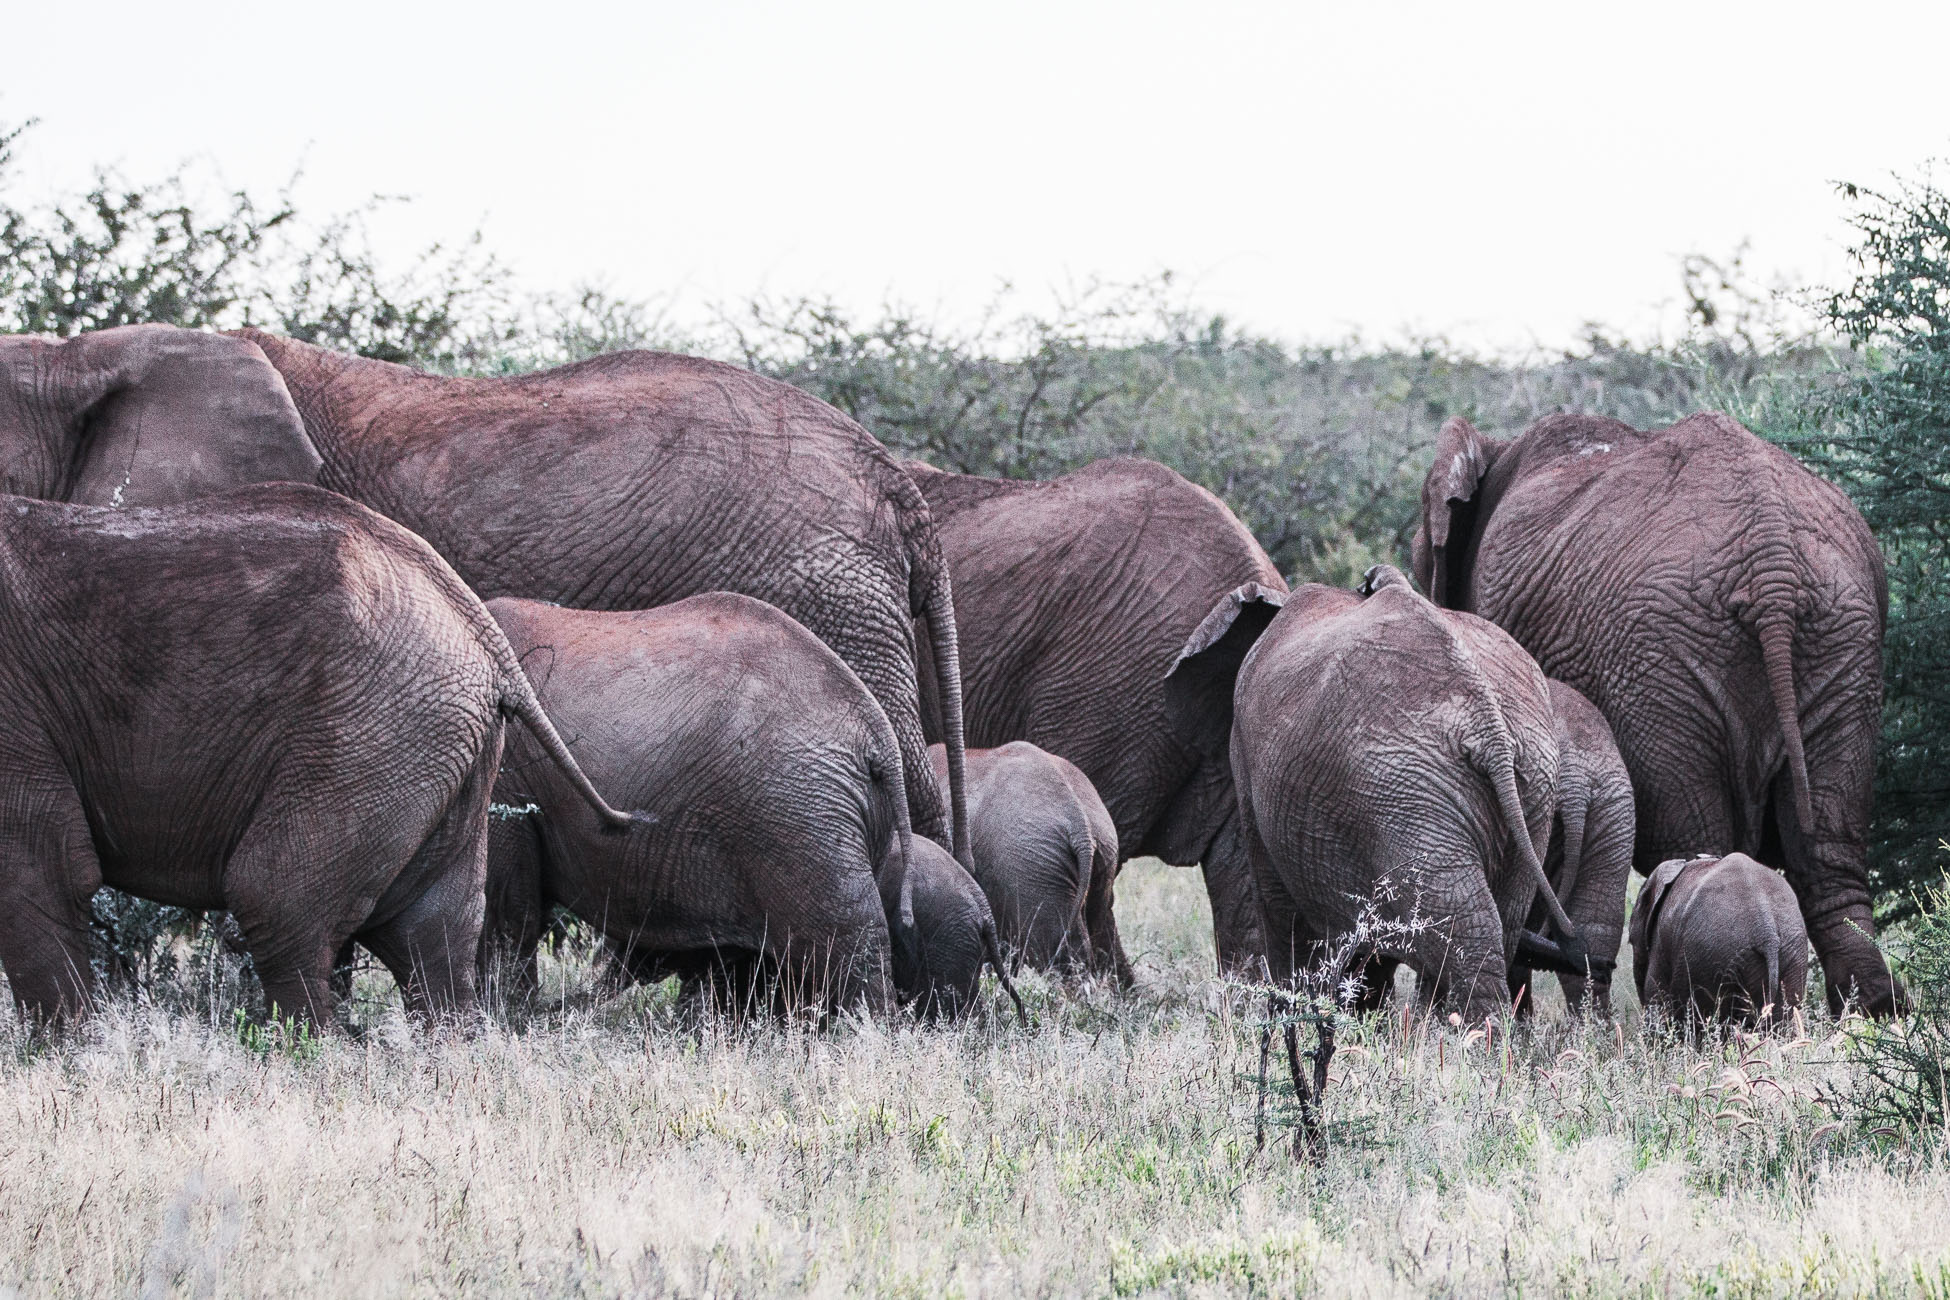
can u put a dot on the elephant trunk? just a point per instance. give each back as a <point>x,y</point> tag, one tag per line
<point>1777,656</point>
<point>1503,776</point>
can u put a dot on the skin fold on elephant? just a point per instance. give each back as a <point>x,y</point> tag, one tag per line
<point>1102,617</point>
<point>1045,853</point>
<point>1590,858</point>
<point>940,975</point>
<point>624,482</point>
<point>1397,761</point>
<point>272,702</point>
<point>1722,607</point>
<point>1719,939</point>
<point>778,777</point>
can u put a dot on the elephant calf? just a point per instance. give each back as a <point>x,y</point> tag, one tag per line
<point>1396,756</point>
<point>1590,858</point>
<point>1719,939</point>
<point>955,934</point>
<point>780,783</point>
<point>272,702</point>
<point>1045,851</point>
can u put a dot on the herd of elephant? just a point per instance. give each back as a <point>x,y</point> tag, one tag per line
<point>804,723</point>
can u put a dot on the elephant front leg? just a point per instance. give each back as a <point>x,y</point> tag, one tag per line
<point>1236,930</point>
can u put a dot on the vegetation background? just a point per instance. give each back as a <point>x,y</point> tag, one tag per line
<point>1319,447</point>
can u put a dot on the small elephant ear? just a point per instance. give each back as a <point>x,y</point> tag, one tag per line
<point>160,415</point>
<point>1462,457</point>
<point>1650,894</point>
<point>1232,626</point>
<point>1380,577</point>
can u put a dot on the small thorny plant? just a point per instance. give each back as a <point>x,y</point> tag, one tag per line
<point>1901,1080</point>
<point>1319,1004</point>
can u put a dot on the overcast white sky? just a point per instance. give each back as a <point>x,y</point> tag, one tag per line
<point>1500,173</point>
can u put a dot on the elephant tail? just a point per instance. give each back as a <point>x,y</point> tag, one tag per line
<point>900,925</point>
<point>1772,1002</point>
<point>519,700</point>
<point>1776,635</point>
<point>1503,775</point>
<point>1573,810</point>
<point>944,641</point>
<point>993,946</point>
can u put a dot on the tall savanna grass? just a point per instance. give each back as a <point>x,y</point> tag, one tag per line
<point>603,1146</point>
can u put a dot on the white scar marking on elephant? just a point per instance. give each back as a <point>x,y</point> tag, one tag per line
<point>1594,449</point>
<point>115,502</point>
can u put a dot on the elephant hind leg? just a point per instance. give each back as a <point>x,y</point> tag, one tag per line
<point>432,945</point>
<point>48,874</point>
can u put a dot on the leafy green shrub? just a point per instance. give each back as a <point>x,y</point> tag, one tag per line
<point>1902,1083</point>
<point>1883,433</point>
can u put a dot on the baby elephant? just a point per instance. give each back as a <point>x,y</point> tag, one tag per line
<point>272,702</point>
<point>941,973</point>
<point>779,782</point>
<point>1719,938</point>
<point>1045,851</point>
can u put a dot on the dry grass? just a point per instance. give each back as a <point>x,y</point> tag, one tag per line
<point>607,1150</point>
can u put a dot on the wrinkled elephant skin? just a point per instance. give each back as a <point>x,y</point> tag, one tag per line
<point>1045,852</point>
<point>1395,761</point>
<point>1075,598</point>
<point>273,702</point>
<point>775,778</point>
<point>640,478</point>
<point>1722,607</point>
<point>1590,858</point>
<point>1719,939</point>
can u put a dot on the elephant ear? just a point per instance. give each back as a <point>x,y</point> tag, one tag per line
<point>1462,457</point>
<point>156,415</point>
<point>1199,682</point>
<point>1230,629</point>
<point>1645,911</point>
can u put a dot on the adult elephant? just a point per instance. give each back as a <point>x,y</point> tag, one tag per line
<point>1723,607</point>
<point>620,483</point>
<point>640,478</point>
<point>1103,616</point>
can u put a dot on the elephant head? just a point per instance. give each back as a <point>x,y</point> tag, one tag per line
<point>144,415</point>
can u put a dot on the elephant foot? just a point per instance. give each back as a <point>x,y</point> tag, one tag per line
<point>1855,970</point>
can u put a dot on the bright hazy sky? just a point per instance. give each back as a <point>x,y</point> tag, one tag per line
<point>1500,173</point>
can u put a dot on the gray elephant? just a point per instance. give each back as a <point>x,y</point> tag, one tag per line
<point>1722,607</point>
<point>1045,853</point>
<point>1590,858</point>
<point>779,781</point>
<point>272,702</point>
<point>1719,939</point>
<point>1395,756</point>
<point>1102,616</point>
<point>940,975</point>
<point>623,482</point>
